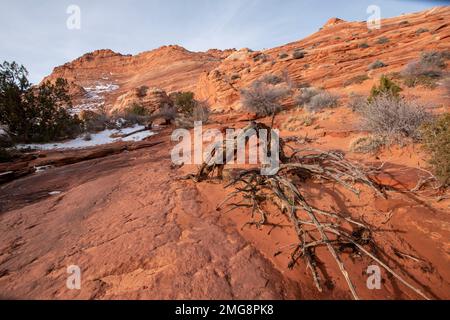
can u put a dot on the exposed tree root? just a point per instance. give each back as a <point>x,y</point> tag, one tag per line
<point>314,227</point>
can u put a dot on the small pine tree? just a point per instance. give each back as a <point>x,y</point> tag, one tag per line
<point>386,87</point>
<point>185,102</point>
<point>34,114</point>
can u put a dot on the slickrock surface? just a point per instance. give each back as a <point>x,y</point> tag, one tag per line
<point>136,231</point>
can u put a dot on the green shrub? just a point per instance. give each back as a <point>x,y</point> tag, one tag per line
<point>137,110</point>
<point>298,54</point>
<point>283,55</point>
<point>421,30</point>
<point>436,140</point>
<point>184,102</point>
<point>363,45</point>
<point>377,65</point>
<point>35,114</point>
<point>383,40</point>
<point>386,87</point>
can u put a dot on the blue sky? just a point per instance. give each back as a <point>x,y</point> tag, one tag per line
<point>34,33</point>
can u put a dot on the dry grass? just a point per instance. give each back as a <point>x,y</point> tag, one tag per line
<point>367,144</point>
<point>294,123</point>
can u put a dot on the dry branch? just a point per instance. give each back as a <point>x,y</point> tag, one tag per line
<point>314,227</point>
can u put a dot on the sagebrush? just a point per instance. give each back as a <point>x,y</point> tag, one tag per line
<point>436,140</point>
<point>394,118</point>
<point>263,99</point>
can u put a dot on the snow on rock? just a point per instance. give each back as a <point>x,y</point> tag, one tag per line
<point>95,97</point>
<point>96,139</point>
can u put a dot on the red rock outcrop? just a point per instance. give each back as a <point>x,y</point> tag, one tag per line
<point>171,68</point>
<point>151,99</point>
<point>334,55</point>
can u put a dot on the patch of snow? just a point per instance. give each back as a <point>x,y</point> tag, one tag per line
<point>5,173</point>
<point>95,97</point>
<point>40,169</point>
<point>120,122</point>
<point>99,138</point>
<point>102,88</point>
<point>54,193</point>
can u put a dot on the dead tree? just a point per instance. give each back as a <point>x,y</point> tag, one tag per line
<point>314,227</point>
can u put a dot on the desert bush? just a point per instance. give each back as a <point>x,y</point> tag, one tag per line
<point>356,80</point>
<point>271,79</point>
<point>262,98</point>
<point>323,100</point>
<point>357,102</point>
<point>377,65</point>
<point>386,87</point>
<point>436,140</point>
<point>383,40</point>
<point>141,91</point>
<point>393,117</point>
<point>363,45</point>
<point>94,121</point>
<point>235,76</point>
<point>298,54</point>
<point>367,144</point>
<point>201,112</point>
<point>136,109</point>
<point>168,113</point>
<point>135,114</point>
<point>426,70</point>
<point>261,57</point>
<point>421,30</point>
<point>35,114</point>
<point>283,55</point>
<point>184,102</point>
<point>305,95</point>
